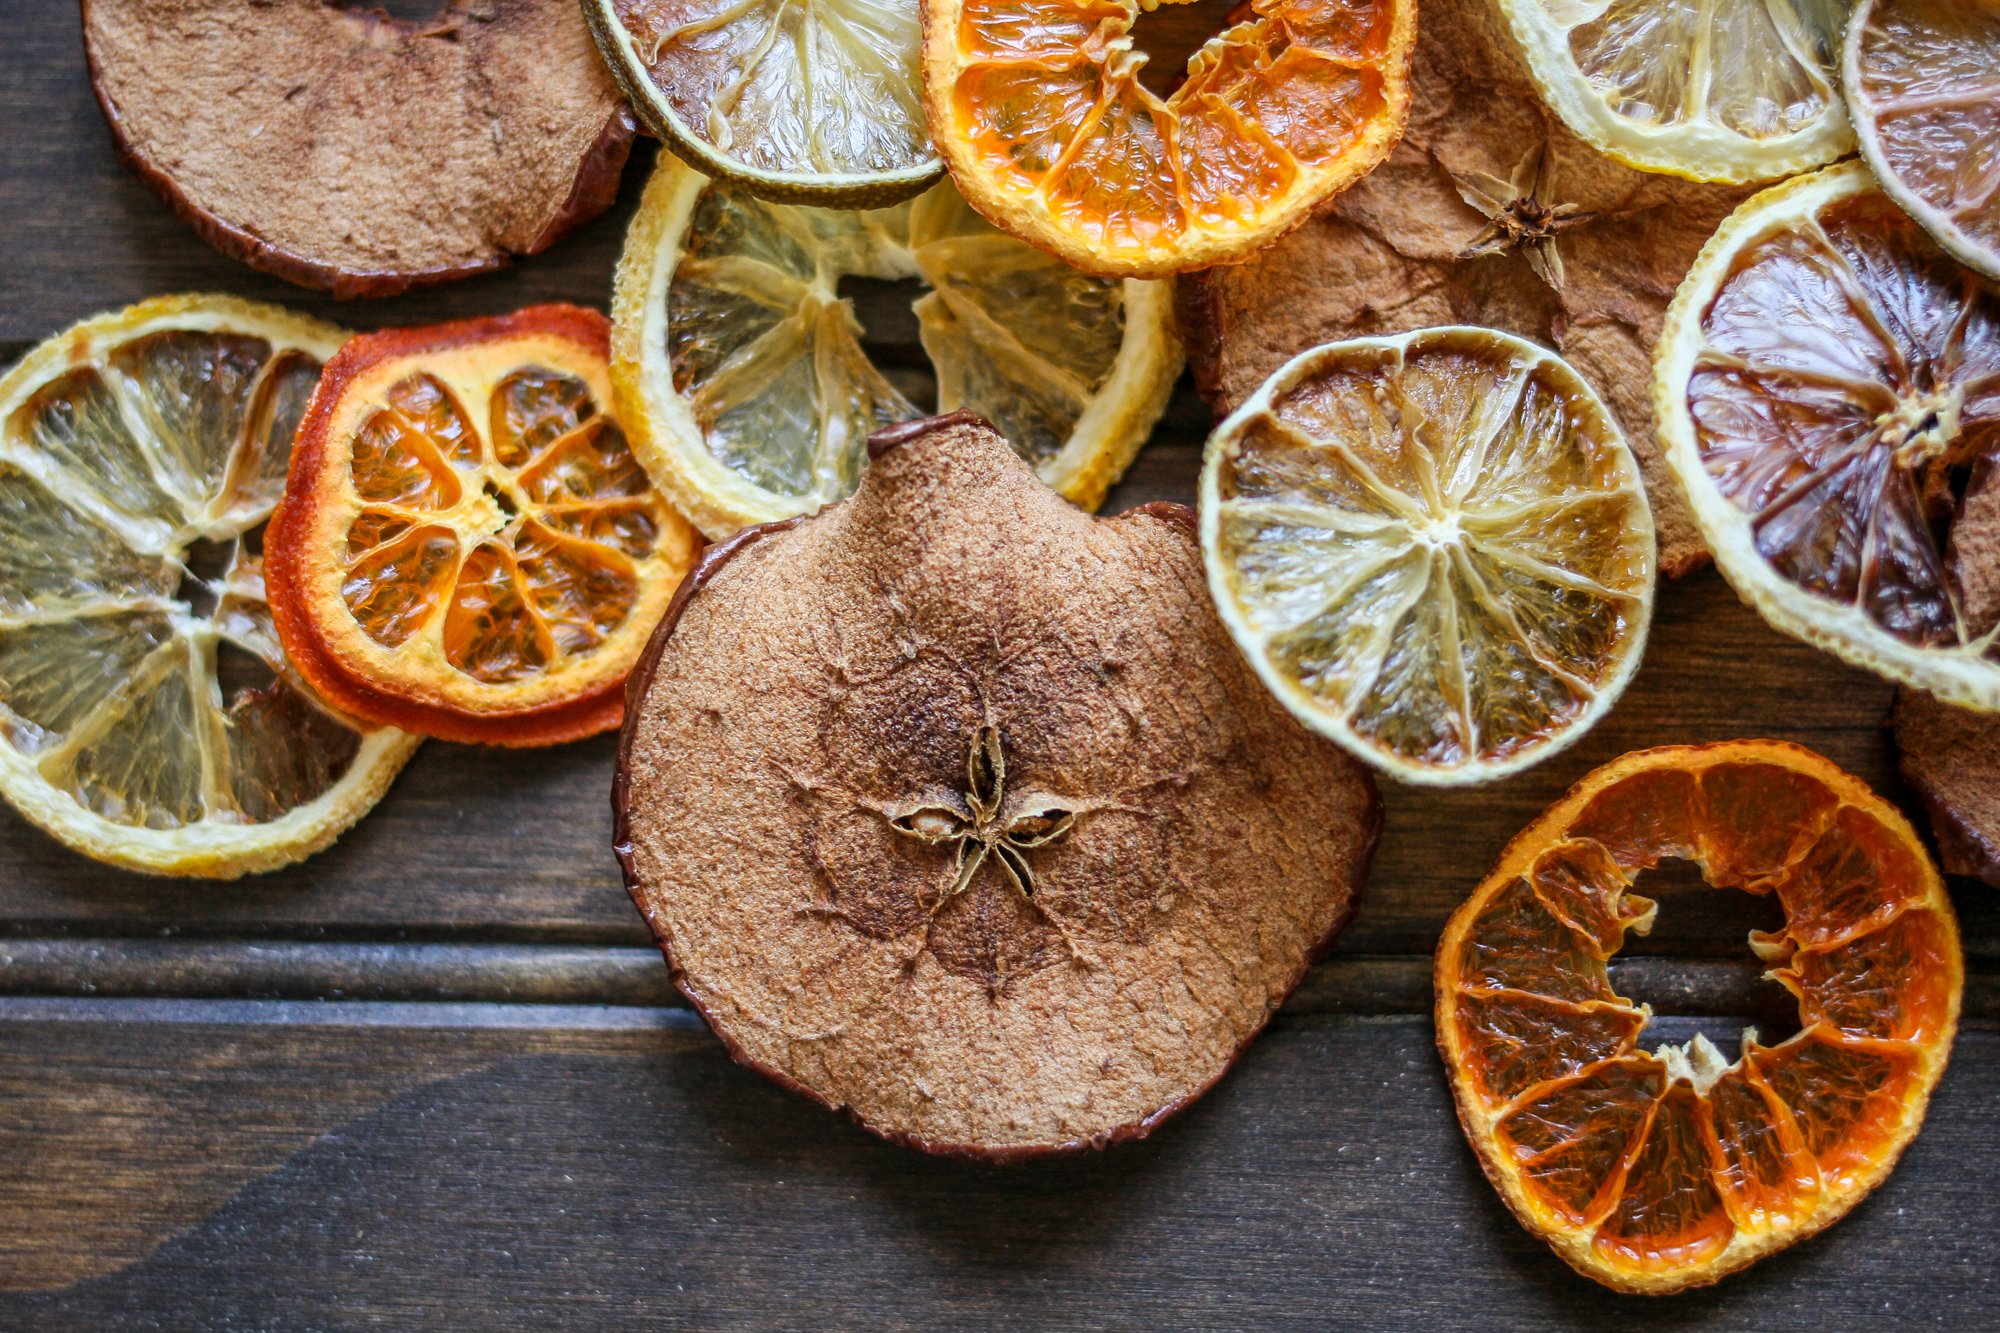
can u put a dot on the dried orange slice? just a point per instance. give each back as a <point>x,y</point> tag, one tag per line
<point>466,546</point>
<point>1037,108</point>
<point>1434,549</point>
<point>148,716</point>
<point>1922,79</point>
<point>1652,1173</point>
<point>1827,383</point>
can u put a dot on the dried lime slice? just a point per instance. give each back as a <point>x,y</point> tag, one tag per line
<point>1731,90</point>
<point>808,103</point>
<point>148,716</point>
<point>1434,548</point>
<point>741,378</point>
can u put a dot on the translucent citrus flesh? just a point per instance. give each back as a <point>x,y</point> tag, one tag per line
<point>826,87</point>
<point>142,677</point>
<point>1653,1173</point>
<point>1046,100</point>
<point>1926,86</point>
<point>1443,553</point>
<point>518,547</point>
<point>768,356</point>
<point>1847,380</point>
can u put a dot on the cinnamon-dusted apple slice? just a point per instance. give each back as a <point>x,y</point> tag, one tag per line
<point>347,150</point>
<point>956,808</point>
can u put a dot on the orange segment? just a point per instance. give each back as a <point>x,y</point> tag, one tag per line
<point>1037,108</point>
<point>1656,1173</point>
<point>466,542</point>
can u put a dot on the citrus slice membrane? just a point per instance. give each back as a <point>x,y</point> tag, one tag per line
<point>467,546</point>
<point>1733,91</point>
<point>1922,79</point>
<point>1038,108</point>
<point>148,715</point>
<point>1657,1172</point>
<point>1828,388</point>
<point>1434,548</point>
<point>741,376</point>
<point>811,103</point>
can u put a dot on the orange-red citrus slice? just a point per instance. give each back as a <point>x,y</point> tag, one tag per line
<point>1656,1172</point>
<point>466,546</point>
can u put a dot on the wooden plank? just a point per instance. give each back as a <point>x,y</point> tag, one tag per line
<point>633,1178</point>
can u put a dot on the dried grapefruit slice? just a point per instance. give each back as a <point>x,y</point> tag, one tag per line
<point>148,716</point>
<point>467,547</point>
<point>739,366</point>
<point>1827,383</point>
<point>1653,1173</point>
<point>1434,548</point>
<point>1038,110</point>
<point>1922,79</point>
<point>805,103</point>
<point>1731,90</point>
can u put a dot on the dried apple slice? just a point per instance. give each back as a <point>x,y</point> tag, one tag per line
<point>344,149</point>
<point>954,807</point>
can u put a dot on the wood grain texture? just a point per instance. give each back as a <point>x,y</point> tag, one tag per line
<point>636,1180</point>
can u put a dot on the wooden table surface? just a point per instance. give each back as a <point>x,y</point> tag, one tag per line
<point>436,1078</point>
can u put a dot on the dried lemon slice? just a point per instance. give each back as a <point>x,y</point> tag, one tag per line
<point>1654,1173</point>
<point>1827,384</point>
<point>1731,91</point>
<point>807,103</point>
<point>1434,548</point>
<point>1922,79</point>
<point>148,716</point>
<point>739,370</point>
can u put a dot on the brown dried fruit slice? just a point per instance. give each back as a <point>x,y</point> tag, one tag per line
<point>1037,108</point>
<point>148,715</point>
<point>344,149</point>
<point>1922,79</point>
<point>1951,757</point>
<point>997,845</point>
<point>1654,1173</point>
<point>1407,247</point>
<point>1828,386</point>
<point>466,545</point>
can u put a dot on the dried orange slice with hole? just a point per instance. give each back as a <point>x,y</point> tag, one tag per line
<point>1827,384</point>
<point>1922,79</point>
<point>1038,110</point>
<point>148,715</point>
<point>1434,549</point>
<point>467,547</point>
<point>1653,1173</point>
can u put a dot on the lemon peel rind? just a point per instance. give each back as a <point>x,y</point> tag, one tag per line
<point>207,849</point>
<point>668,441</point>
<point>1304,706</point>
<point>854,190</point>
<point>1519,856</point>
<point>1664,151</point>
<point>1950,236</point>
<point>1955,675</point>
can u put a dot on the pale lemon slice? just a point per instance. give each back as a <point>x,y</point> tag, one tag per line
<point>1827,383</point>
<point>741,379</point>
<point>1922,79</point>
<point>148,716</point>
<point>808,101</point>
<point>1434,548</point>
<point>1728,90</point>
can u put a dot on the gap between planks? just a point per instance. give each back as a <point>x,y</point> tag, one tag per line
<point>635,978</point>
